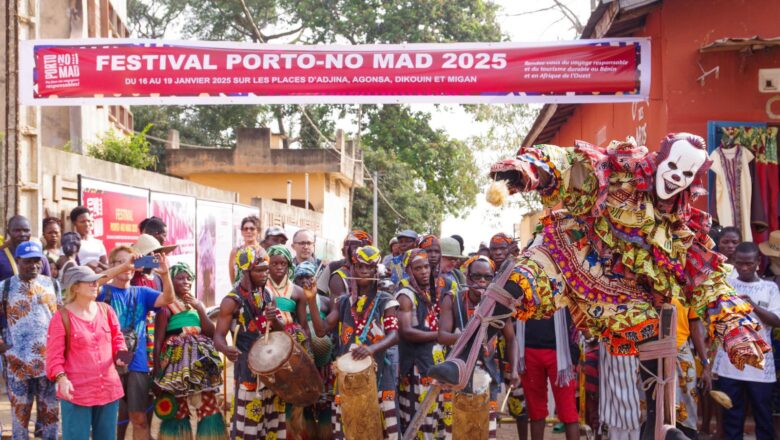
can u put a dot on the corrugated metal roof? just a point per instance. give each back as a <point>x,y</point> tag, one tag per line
<point>745,45</point>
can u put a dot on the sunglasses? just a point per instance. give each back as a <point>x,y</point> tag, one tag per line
<point>483,277</point>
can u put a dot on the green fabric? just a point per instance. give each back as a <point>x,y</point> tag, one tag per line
<point>181,267</point>
<point>212,427</point>
<point>175,429</point>
<point>280,249</point>
<point>285,304</point>
<point>187,318</point>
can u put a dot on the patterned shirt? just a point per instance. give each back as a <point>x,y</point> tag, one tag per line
<point>28,311</point>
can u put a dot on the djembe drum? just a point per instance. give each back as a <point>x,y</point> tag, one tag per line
<point>283,365</point>
<point>361,418</point>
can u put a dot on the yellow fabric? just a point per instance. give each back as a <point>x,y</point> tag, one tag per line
<point>684,315</point>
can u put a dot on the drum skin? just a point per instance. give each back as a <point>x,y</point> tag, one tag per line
<point>295,379</point>
<point>361,418</point>
<point>470,416</point>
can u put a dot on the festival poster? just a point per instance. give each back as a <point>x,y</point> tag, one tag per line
<point>214,242</point>
<point>239,213</point>
<point>159,72</point>
<point>116,210</point>
<point>178,213</point>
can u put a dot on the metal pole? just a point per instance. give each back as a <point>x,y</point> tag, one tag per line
<point>306,201</point>
<point>289,192</point>
<point>376,208</point>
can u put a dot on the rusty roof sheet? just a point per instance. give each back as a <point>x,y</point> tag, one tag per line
<point>744,45</point>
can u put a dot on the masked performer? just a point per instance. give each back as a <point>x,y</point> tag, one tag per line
<point>627,241</point>
<point>257,413</point>
<point>367,326</point>
<point>186,364</point>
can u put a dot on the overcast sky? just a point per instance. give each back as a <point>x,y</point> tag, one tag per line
<point>483,221</point>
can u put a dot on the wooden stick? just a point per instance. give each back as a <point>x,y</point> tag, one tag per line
<point>506,398</point>
<point>267,332</point>
<point>422,411</point>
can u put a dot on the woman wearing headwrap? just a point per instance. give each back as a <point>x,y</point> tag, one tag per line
<point>187,367</point>
<point>418,327</point>
<point>257,412</point>
<point>457,309</point>
<point>367,326</point>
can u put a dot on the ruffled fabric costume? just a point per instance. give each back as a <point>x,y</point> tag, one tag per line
<point>616,251</point>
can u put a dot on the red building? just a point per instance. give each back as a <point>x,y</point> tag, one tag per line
<point>707,56</point>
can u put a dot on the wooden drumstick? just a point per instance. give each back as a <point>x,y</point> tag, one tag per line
<point>267,332</point>
<point>506,398</point>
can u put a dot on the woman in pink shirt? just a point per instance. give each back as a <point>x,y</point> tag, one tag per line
<point>88,385</point>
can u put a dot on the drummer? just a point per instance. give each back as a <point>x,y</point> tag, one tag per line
<point>289,298</point>
<point>419,347</point>
<point>257,412</point>
<point>367,326</point>
<point>456,310</point>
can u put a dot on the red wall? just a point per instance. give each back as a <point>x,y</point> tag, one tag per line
<point>678,28</point>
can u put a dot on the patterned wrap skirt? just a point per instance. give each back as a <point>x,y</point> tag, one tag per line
<point>189,364</point>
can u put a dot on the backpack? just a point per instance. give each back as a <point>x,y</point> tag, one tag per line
<point>65,315</point>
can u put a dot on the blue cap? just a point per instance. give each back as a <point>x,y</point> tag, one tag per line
<point>29,249</point>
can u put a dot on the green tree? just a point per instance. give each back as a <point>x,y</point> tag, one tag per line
<point>132,150</point>
<point>425,174</point>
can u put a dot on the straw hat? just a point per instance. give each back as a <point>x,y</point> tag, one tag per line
<point>771,247</point>
<point>146,244</point>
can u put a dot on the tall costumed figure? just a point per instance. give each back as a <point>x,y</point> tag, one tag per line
<point>623,239</point>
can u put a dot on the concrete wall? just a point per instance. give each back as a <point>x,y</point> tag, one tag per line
<point>270,186</point>
<point>678,102</point>
<point>60,181</point>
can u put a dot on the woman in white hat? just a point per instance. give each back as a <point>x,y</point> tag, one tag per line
<point>84,344</point>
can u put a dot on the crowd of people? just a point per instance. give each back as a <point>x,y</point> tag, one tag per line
<point>103,339</point>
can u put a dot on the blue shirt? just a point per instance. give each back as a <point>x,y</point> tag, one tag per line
<point>7,270</point>
<point>131,306</point>
<point>397,272</point>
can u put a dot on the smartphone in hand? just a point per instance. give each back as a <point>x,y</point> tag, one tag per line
<point>147,262</point>
<point>125,356</point>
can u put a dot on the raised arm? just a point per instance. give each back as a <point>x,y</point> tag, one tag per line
<point>321,326</point>
<point>168,296</point>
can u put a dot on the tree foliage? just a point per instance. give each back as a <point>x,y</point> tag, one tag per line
<point>132,150</point>
<point>424,174</point>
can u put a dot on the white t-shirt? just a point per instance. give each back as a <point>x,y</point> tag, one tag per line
<point>766,295</point>
<point>91,250</point>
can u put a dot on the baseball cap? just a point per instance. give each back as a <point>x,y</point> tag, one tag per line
<point>407,233</point>
<point>450,248</point>
<point>393,241</point>
<point>147,244</point>
<point>29,249</point>
<point>77,274</point>
<point>275,230</point>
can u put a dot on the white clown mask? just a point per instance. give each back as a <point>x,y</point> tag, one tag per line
<point>678,170</point>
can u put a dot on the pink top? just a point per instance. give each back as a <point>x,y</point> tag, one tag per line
<point>90,361</point>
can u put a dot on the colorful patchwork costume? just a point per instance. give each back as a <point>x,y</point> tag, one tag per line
<point>626,241</point>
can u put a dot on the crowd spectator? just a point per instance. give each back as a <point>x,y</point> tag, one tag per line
<point>750,384</point>
<point>19,231</point>
<point>407,240</point>
<point>92,252</point>
<point>131,305</point>
<point>29,300</point>
<point>52,231</point>
<point>71,243</point>
<point>156,227</point>
<point>84,344</point>
<point>395,250</point>
<point>250,230</point>
<point>303,245</point>
<point>273,236</point>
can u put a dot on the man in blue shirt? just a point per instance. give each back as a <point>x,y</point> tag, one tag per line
<point>407,240</point>
<point>131,304</point>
